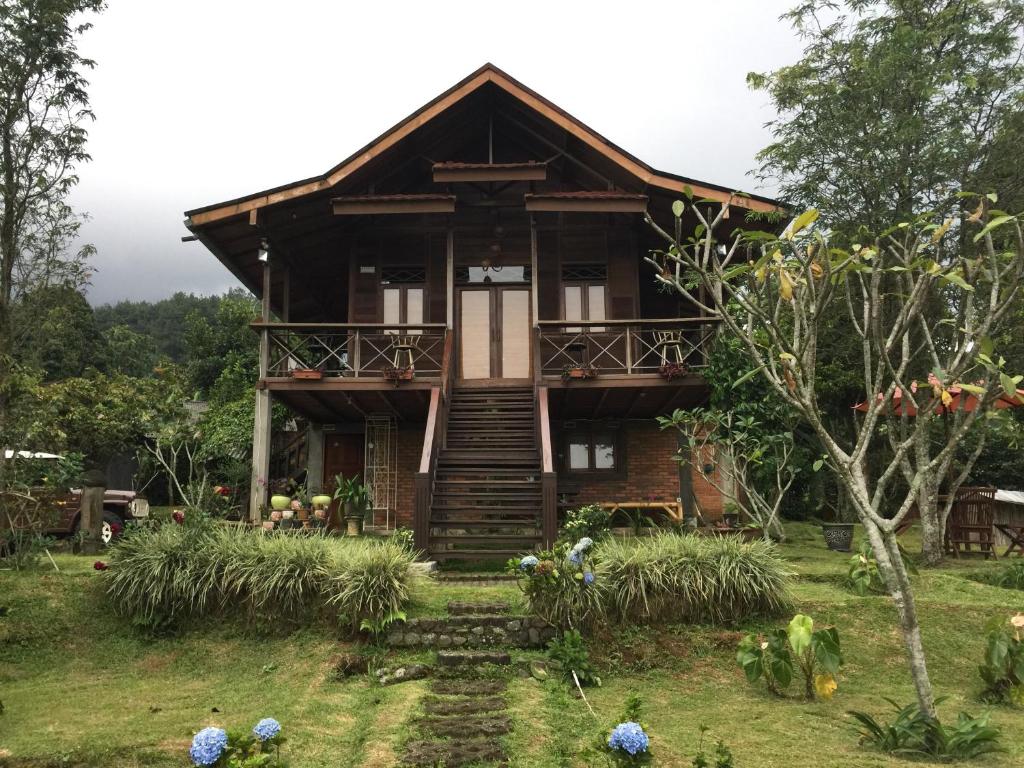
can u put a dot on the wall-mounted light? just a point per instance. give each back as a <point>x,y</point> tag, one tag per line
<point>264,253</point>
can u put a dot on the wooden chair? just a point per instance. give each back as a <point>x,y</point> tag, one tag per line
<point>971,522</point>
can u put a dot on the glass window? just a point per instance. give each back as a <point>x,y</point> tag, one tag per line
<point>579,452</point>
<point>592,448</point>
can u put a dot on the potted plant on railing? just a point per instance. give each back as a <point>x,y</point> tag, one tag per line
<point>397,374</point>
<point>577,371</point>
<point>313,374</point>
<point>671,371</point>
<point>354,498</point>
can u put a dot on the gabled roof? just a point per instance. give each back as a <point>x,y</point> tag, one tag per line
<point>488,73</point>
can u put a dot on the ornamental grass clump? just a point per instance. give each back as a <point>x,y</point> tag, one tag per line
<point>164,578</point>
<point>688,578</point>
<point>369,581</point>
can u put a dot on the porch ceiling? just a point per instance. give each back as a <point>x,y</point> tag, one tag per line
<point>633,397</point>
<point>324,403</point>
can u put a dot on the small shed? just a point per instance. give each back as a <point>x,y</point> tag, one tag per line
<point>1009,511</point>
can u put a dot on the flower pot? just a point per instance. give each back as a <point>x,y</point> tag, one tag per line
<point>321,501</point>
<point>307,373</point>
<point>287,514</point>
<point>732,519</point>
<point>268,525</point>
<point>276,516</point>
<point>838,536</point>
<point>303,514</point>
<point>319,514</point>
<point>353,525</point>
<point>279,502</point>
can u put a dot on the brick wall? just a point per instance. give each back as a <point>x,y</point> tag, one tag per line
<point>410,446</point>
<point>651,473</point>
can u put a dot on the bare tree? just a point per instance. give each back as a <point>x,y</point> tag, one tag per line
<point>918,308</point>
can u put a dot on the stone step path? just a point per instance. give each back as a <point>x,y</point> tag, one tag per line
<point>465,713</point>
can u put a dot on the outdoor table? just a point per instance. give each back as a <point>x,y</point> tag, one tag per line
<point>1015,533</point>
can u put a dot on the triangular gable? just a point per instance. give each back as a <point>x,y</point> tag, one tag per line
<point>486,74</point>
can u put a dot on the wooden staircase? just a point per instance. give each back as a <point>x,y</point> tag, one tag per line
<point>486,500</point>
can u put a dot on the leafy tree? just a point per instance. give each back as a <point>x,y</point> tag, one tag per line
<point>162,321</point>
<point>772,292</point>
<point>56,332</point>
<point>43,109</point>
<point>223,353</point>
<point>128,352</point>
<point>895,106</point>
<point>98,416</point>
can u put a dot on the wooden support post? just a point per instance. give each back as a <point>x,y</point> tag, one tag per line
<point>315,458</point>
<point>534,272</point>
<point>449,278</point>
<point>286,294</point>
<point>548,478</point>
<point>261,430</point>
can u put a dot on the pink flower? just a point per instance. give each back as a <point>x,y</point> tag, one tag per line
<point>178,516</point>
<point>99,565</point>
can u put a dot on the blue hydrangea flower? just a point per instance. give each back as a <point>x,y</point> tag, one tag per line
<point>629,737</point>
<point>267,728</point>
<point>576,557</point>
<point>528,562</point>
<point>584,544</point>
<point>588,577</point>
<point>207,746</point>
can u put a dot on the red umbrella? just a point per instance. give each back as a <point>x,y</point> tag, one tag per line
<point>961,400</point>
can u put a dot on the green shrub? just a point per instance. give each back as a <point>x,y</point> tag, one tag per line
<point>1009,576</point>
<point>592,522</point>
<point>165,577</point>
<point>678,578</point>
<point>1002,669</point>
<point>570,653</point>
<point>863,575</point>
<point>914,734</point>
<point>560,586</point>
<point>813,653</point>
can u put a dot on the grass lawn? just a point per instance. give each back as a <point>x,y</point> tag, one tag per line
<point>80,688</point>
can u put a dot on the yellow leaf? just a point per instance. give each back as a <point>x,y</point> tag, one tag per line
<point>761,273</point>
<point>777,256</point>
<point>825,685</point>
<point>816,270</point>
<point>946,398</point>
<point>938,233</point>
<point>976,216</point>
<point>785,285</point>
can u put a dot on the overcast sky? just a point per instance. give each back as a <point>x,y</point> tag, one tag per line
<point>199,101</point>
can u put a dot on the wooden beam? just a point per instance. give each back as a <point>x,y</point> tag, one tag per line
<point>480,172</point>
<point>384,204</point>
<point>586,204</point>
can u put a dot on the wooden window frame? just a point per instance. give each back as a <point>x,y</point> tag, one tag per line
<point>589,429</point>
<point>584,286</point>
<point>403,303</point>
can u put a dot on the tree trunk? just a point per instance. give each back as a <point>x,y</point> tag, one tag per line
<point>932,549</point>
<point>890,563</point>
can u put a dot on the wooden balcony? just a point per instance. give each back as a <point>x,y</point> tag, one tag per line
<point>623,368</point>
<point>343,371</point>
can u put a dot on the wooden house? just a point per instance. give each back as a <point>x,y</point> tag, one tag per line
<point>460,311</point>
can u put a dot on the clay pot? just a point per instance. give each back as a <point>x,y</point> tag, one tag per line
<point>322,501</point>
<point>287,514</point>
<point>279,502</point>
<point>276,515</point>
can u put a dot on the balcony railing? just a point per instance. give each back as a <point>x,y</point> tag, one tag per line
<point>623,347</point>
<point>368,350</point>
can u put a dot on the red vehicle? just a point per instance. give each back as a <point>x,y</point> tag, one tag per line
<point>119,509</point>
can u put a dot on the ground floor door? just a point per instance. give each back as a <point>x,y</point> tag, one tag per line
<point>494,332</point>
<point>343,454</point>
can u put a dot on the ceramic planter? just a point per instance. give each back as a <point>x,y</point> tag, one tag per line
<point>838,536</point>
<point>276,516</point>
<point>307,373</point>
<point>279,502</point>
<point>287,514</point>
<point>303,514</point>
<point>321,501</point>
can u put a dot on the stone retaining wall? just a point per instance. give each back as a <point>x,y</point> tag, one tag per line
<point>471,632</point>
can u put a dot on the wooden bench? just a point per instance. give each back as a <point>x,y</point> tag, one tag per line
<point>672,509</point>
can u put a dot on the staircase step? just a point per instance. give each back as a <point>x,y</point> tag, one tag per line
<point>483,538</point>
<point>477,554</point>
<point>472,658</point>
<point>452,753</point>
<point>527,520</point>
<point>463,608</point>
<point>463,726</point>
